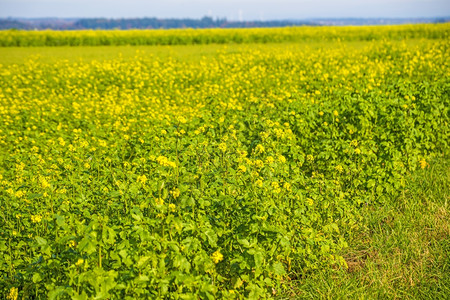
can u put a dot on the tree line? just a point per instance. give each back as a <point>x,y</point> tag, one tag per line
<point>139,23</point>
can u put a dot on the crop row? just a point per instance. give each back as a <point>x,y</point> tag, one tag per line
<point>14,38</point>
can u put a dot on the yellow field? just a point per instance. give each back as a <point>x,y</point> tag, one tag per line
<point>156,175</point>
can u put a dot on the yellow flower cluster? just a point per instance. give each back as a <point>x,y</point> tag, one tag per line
<point>223,147</point>
<point>217,257</point>
<point>175,193</point>
<point>259,149</point>
<point>13,294</point>
<point>142,179</point>
<point>36,218</point>
<point>423,163</point>
<point>242,169</point>
<point>164,161</point>
<point>159,201</point>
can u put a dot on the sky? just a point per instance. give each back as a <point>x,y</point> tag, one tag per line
<point>230,9</point>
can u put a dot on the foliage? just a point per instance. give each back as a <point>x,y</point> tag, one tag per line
<point>157,178</point>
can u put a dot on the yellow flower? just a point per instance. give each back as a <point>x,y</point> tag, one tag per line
<point>20,194</point>
<point>259,183</point>
<point>259,149</point>
<point>287,186</point>
<point>242,169</point>
<point>259,163</point>
<point>217,257</point>
<point>36,218</point>
<point>242,153</point>
<point>320,113</point>
<point>281,159</point>
<point>20,166</point>
<point>339,168</point>
<point>309,201</point>
<point>264,135</point>
<point>159,201</point>
<point>223,147</point>
<point>13,294</point>
<point>79,262</point>
<point>269,159</point>
<point>423,163</point>
<point>164,161</point>
<point>175,193</point>
<point>172,207</point>
<point>309,157</point>
<point>103,143</point>
<point>335,113</point>
<point>61,141</point>
<point>142,179</point>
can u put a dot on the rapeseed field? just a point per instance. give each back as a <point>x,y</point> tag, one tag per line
<point>224,176</point>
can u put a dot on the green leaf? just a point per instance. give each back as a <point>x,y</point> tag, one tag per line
<point>37,277</point>
<point>143,261</point>
<point>278,269</point>
<point>142,278</point>
<point>41,241</point>
<point>34,196</point>
<point>57,293</point>
<point>114,194</point>
<point>60,221</point>
<point>244,242</point>
<point>212,237</point>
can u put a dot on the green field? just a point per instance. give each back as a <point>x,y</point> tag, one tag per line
<point>308,166</point>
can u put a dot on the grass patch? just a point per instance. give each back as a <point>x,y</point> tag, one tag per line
<point>403,251</point>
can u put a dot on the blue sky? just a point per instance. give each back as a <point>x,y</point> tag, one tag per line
<point>231,9</point>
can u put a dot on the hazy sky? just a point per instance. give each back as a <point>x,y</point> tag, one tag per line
<point>231,9</point>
